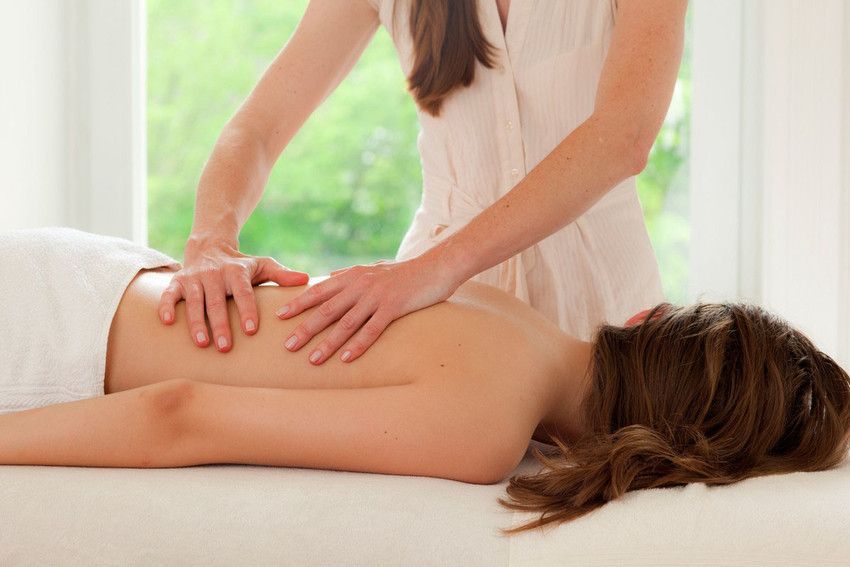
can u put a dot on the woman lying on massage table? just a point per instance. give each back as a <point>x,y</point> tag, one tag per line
<point>708,392</point>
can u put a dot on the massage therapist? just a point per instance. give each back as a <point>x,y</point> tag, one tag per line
<point>535,116</point>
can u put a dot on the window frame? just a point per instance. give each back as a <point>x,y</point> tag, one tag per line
<point>716,164</point>
<point>106,108</point>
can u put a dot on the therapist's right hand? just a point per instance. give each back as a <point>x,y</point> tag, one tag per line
<point>211,272</point>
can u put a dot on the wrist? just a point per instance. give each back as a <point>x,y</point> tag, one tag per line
<point>452,260</point>
<point>208,239</point>
<point>214,227</point>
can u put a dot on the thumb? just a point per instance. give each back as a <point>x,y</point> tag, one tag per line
<point>270,270</point>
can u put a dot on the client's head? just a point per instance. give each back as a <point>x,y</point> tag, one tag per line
<point>710,392</point>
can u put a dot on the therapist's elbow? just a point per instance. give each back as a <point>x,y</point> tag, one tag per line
<point>627,160</point>
<point>634,151</point>
<point>627,142</point>
<point>637,162</point>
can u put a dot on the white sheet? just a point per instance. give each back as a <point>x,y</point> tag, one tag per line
<point>244,515</point>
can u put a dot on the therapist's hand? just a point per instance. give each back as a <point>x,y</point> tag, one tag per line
<point>212,271</point>
<point>365,299</point>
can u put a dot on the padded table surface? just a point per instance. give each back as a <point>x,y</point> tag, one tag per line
<point>246,515</point>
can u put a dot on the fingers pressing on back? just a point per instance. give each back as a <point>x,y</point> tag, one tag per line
<point>171,295</point>
<point>194,295</point>
<point>238,282</point>
<point>215,299</point>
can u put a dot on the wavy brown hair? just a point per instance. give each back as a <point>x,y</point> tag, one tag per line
<point>711,392</point>
<point>447,39</point>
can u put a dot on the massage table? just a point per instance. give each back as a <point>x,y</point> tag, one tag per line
<point>253,515</point>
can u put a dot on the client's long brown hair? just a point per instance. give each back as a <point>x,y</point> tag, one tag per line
<point>712,393</point>
<point>447,39</point>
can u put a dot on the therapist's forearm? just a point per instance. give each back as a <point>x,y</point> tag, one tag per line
<point>231,184</point>
<point>590,161</point>
<point>634,92</point>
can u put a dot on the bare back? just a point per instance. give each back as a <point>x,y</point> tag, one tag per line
<point>479,332</point>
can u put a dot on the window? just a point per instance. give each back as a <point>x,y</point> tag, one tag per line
<point>338,195</point>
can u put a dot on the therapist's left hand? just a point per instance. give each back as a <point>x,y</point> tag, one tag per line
<point>365,299</point>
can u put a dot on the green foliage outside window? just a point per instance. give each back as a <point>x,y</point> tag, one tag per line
<point>346,187</point>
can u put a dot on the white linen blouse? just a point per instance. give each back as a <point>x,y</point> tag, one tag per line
<point>598,269</point>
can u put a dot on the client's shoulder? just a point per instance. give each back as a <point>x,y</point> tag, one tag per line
<point>489,297</point>
<point>513,310</point>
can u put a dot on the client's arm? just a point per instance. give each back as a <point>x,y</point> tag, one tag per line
<point>459,431</point>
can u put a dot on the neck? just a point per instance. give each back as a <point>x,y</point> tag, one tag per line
<point>570,385</point>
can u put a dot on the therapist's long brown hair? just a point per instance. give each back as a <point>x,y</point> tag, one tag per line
<point>712,393</point>
<point>447,39</point>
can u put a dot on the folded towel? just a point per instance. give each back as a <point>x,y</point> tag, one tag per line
<point>59,289</point>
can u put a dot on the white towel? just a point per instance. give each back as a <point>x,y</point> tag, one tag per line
<point>59,289</point>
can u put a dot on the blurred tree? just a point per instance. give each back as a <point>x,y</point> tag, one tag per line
<point>345,189</point>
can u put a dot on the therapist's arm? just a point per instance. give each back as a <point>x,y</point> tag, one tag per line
<point>634,93</point>
<point>325,45</point>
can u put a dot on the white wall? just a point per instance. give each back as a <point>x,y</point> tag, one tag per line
<point>803,121</point>
<point>770,138</point>
<point>844,285</point>
<point>72,141</point>
<point>33,119</point>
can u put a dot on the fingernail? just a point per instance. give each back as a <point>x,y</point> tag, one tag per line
<point>291,342</point>
<point>222,342</point>
<point>317,354</point>
<point>283,311</point>
<point>168,316</point>
<point>249,325</point>
<point>201,337</point>
<point>346,355</point>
